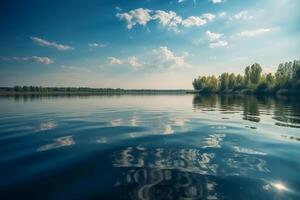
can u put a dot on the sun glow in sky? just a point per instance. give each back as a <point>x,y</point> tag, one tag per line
<point>142,43</point>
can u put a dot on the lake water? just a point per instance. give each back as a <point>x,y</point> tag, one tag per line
<point>149,147</point>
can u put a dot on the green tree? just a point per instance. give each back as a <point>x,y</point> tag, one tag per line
<point>284,74</point>
<point>239,82</point>
<point>255,73</point>
<point>224,81</point>
<point>231,81</point>
<point>270,79</point>
<point>247,76</point>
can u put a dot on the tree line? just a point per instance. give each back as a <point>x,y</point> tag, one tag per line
<point>81,90</point>
<point>285,79</point>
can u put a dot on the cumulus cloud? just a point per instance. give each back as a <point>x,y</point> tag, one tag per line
<point>216,39</point>
<point>257,32</point>
<point>133,61</point>
<point>139,16</point>
<point>197,20</point>
<point>38,59</point>
<point>167,19</point>
<point>45,43</point>
<point>96,45</point>
<point>244,15</point>
<point>167,58</point>
<point>114,61</point>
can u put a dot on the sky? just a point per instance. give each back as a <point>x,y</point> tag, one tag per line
<point>159,44</point>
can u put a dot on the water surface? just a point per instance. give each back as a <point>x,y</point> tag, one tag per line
<point>149,147</point>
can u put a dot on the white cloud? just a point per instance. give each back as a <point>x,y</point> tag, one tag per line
<point>168,59</point>
<point>169,19</point>
<point>138,16</point>
<point>96,45</point>
<point>45,43</point>
<point>212,37</point>
<point>257,32</point>
<point>43,60</point>
<point>114,61</point>
<point>244,15</point>
<point>219,43</point>
<point>198,20</point>
<point>133,61</point>
<point>38,59</point>
<point>217,1</point>
<point>208,16</point>
<point>181,1</point>
<point>216,39</point>
<point>118,8</point>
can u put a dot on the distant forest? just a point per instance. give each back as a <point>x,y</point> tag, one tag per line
<point>285,80</point>
<point>81,90</point>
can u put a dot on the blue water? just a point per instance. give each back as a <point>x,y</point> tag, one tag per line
<point>149,147</point>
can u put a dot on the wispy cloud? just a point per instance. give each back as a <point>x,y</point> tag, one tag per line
<point>181,1</point>
<point>168,19</point>
<point>242,15</point>
<point>134,62</point>
<point>256,32</point>
<point>96,45</point>
<point>216,39</point>
<point>118,8</point>
<point>114,61</point>
<point>38,59</point>
<point>74,68</point>
<point>198,20</point>
<point>45,43</point>
<point>166,58</point>
<point>217,1</point>
<point>222,14</point>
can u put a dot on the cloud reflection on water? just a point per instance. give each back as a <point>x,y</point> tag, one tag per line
<point>190,160</point>
<point>58,142</point>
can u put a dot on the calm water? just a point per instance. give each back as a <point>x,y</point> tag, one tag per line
<point>149,147</point>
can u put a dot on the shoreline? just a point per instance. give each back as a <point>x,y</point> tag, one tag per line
<point>151,92</point>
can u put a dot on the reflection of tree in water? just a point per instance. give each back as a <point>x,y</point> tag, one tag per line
<point>285,108</point>
<point>167,184</point>
<point>287,111</point>
<point>205,101</point>
<point>231,102</point>
<point>181,173</point>
<point>251,109</point>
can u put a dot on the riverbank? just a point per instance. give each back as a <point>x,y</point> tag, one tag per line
<point>249,92</point>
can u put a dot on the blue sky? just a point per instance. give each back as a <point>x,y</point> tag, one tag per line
<point>142,43</point>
